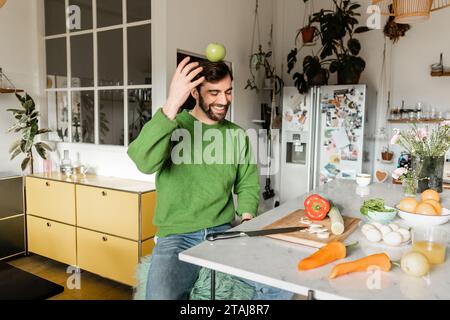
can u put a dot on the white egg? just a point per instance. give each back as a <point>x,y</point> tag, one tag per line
<point>393,238</point>
<point>385,230</point>
<point>406,234</point>
<point>393,226</point>
<point>366,228</point>
<point>373,235</point>
<point>377,225</point>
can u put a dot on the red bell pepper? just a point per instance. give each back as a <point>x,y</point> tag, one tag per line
<point>316,207</point>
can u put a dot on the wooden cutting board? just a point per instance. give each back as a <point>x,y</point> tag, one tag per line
<point>308,239</point>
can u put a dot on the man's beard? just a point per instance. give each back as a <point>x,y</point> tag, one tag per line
<point>209,111</point>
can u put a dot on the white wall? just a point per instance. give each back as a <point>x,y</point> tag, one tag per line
<point>20,53</point>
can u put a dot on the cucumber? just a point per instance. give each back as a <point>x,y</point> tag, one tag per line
<point>337,222</point>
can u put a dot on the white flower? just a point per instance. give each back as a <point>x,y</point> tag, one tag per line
<point>399,172</point>
<point>395,138</point>
<point>421,134</point>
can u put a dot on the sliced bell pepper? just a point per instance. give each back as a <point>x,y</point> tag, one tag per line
<point>316,207</point>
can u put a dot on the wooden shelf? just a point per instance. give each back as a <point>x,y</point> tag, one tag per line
<point>417,121</point>
<point>440,74</point>
<point>7,90</point>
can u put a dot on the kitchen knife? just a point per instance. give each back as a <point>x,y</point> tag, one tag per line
<point>237,234</point>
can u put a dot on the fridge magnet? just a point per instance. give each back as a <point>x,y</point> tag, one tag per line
<point>329,133</point>
<point>335,159</point>
<point>340,138</point>
<point>350,153</point>
<point>331,170</point>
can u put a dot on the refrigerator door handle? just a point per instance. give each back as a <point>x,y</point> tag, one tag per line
<point>317,124</point>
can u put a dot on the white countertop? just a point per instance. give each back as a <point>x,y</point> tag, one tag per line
<point>274,262</point>
<point>92,180</point>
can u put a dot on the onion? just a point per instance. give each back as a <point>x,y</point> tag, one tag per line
<point>415,264</point>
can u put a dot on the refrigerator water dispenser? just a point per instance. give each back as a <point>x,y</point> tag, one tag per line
<point>296,150</point>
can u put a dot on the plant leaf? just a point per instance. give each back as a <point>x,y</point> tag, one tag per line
<point>14,145</point>
<point>25,163</point>
<point>16,111</point>
<point>28,145</point>
<point>362,29</point>
<point>334,66</point>
<point>15,153</point>
<point>44,145</point>
<point>354,46</point>
<point>28,105</point>
<point>292,59</point>
<point>42,131</point>
<point>41,151</point>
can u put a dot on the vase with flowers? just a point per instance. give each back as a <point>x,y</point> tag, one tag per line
<point>408,178</point>
<point>428,149</point>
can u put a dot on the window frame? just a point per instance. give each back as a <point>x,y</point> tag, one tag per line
<point>96,88</point>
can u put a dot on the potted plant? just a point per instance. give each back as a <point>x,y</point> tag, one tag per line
<point>339,47</point>
<point>314,74</point>
<point>260,61</point>
<point>387,154</point>
<point>28,125</point>
<point>308,32</point>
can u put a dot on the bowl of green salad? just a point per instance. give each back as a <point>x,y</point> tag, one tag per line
<point>377,211</point>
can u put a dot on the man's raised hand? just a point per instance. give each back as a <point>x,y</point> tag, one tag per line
<point>181,86</point>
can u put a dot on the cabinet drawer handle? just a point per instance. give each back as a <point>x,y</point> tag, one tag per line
<point>104,193</point>
<point>47,184</point>
<point>49,224</point>
<point>104,239</point>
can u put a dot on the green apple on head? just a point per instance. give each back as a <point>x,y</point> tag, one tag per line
<point>216,52</point>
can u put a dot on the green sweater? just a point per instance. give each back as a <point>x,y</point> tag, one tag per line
<point>195,180</point>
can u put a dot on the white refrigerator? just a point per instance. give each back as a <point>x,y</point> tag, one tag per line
<point>322,137</point>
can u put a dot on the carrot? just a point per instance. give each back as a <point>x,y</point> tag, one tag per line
<point>380,260</point>
<point>331,252</point>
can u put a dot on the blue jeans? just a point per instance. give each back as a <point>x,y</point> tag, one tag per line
<point>172,279</point>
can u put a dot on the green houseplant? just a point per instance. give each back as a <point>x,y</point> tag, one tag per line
<point>27,123</point>
<point>340,49</point>
<point>261,61</point>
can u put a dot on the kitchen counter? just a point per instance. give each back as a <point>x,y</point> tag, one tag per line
<point>100,181</point>
<point>6,174</point>
<point>274,262</point>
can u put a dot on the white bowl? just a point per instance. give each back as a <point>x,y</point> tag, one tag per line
<point>382,217</point>
<point>363,180</point>
<point>425,220</point>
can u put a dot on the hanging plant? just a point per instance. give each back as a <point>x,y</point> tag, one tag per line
<point>261,60</point>
<point>393,30</point>
<point>337,54</point>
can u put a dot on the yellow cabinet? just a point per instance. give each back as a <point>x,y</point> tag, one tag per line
<point>108,211</point>
<point>51,199</point>
<point>51,239</point>
<point>112,257</point>
<point>102,224</point>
